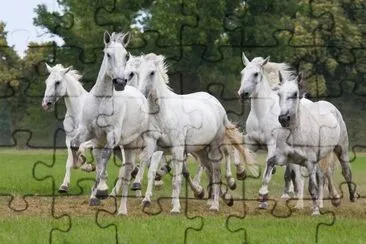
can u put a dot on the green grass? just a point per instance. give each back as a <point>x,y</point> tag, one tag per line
<point>261,227</point>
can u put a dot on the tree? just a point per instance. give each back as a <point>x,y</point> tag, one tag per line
<point>9,86</point>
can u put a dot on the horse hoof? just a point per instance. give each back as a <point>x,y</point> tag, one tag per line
<point>121,213</point>
<point>134,172</point>
<point>228,199</point>
<point>88,167</point>
<point>241,175</point>
<point>263,205</point>
<point>214,208</point>
<point>232,186</point>
<point>199,195</point>
<point>174,211</point>
<point>94,202</point>
<point>315,213</point>
<point>166,169</point>
<point>136,186</point>
<point>158,177</point>
<point>146,203</point>
<point>101,194</point>
<point>263,198</point>
<point>83,159</point>
<point>336,202</point>
<point>63,189</point>
<point>274,170</point>
<point>285,196</point>
<point>355,197</point>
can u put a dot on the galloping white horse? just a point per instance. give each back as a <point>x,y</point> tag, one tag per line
<point>112,117</point>
<point>260,79</point>
<point>262,120</point>
<point>183,124</point>
<point>231,155</point>
<point>310,132</point>
<point>64,83</point>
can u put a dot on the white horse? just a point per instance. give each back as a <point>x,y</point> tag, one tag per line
<point>231,155</point>
<point>184,124</point>
<point>258,80</point>
<point>310,132</point>
<point>64,83</point>
<point>113,118</point>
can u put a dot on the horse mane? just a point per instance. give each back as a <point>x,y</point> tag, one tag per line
<point>161,65</point>
<point>117,37</point>
<point>73,72</point>
<point>271,70</point>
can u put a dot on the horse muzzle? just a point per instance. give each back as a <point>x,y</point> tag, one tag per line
<point>243,96</point>
<point>119,84</point>
<point>284,120</point>
<point>47,105</point>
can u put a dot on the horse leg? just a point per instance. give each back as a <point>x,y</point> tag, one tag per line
<point>215,156</point>
<point>64,187</point>
<point>154,163</point>
<point>87,167</point>
<point>118,184</point>
<point>229,157</point>
<point>298,178</point>
<point>263,191</point>
<point>94,201</point>
<point>313,186</point>
<point>342,155</point>
<point>320,180</point>
<point>335,198</point>
<point>125,177</point>
<point>288,179</point>
<point>81,136</point>
<point>178,161</point>
<point>149,148</point>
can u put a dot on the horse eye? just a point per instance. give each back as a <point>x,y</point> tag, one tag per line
<point>57,83</point>
<point>255,74</point>
<point>152,73</point>
<point>295,95</point>
<point>131,75</point>
<point>108,55</point>
<point>127,57</point>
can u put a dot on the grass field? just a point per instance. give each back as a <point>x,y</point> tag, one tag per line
<point>37,222</point>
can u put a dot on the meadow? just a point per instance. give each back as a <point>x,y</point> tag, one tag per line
<point>39,214</point>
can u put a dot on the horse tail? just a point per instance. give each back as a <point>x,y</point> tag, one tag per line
<point>234,138</point>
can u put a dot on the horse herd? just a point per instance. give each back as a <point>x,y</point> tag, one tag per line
<point>132,112</point>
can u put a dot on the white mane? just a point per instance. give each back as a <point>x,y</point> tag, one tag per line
<point>117,37</point>
<point>162,67</point>
<point>74,73</point>
<point>271,71</point>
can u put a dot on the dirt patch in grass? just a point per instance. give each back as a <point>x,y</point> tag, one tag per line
<point>79,206</point>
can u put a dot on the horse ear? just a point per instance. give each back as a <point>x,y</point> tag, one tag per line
<point>126,39</point>
<point>107,38</point>
<point>299,78</point>
<point>280,77</point>
<point>301,83</point>
<point>67,69</point>
<point>49,68</point>
<point>245,59</point>
<point>265,61</point>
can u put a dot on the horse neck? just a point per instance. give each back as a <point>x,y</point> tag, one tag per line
<point>159,98</point>
<point>263,99</point>
<point>75,92</point>
<point>103,87</point>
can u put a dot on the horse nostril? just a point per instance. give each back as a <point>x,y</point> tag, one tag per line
<point>114,81</point>
<point>125,80</point>
<point>288,118</point>
<point>49,104</point>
